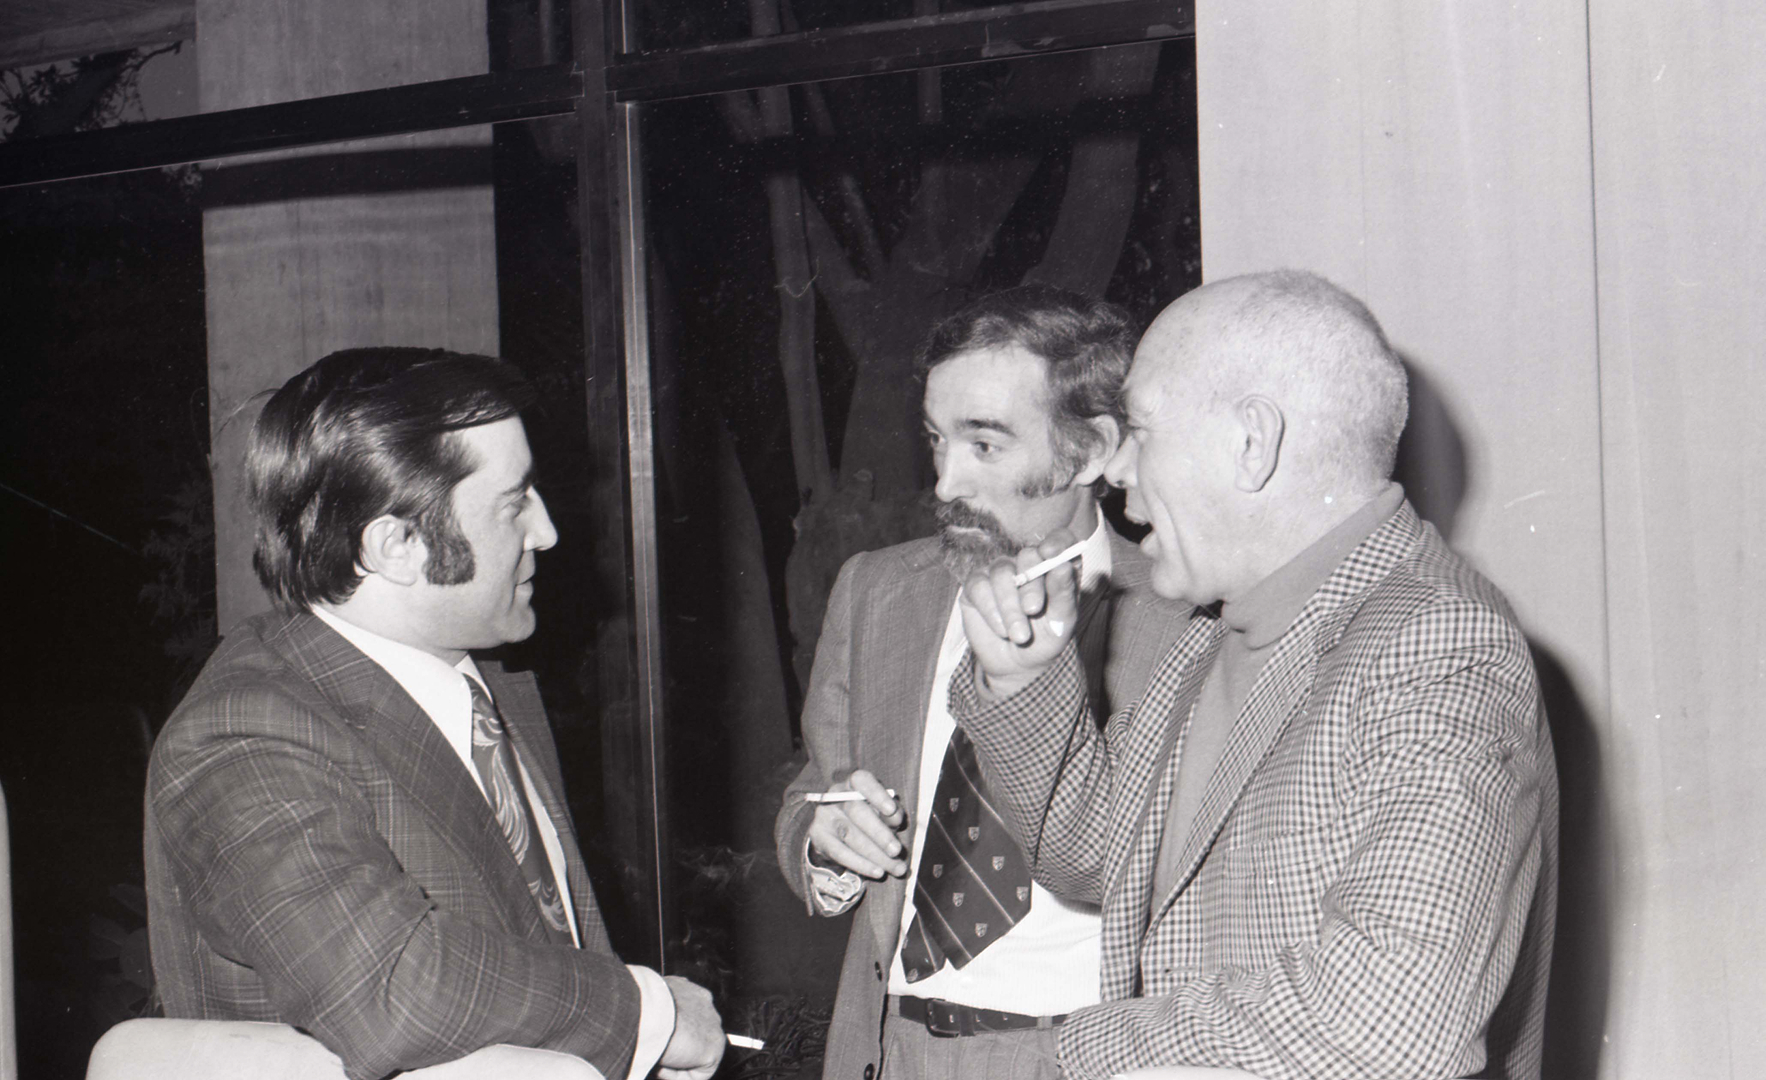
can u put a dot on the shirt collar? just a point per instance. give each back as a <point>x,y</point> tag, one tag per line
<point>431,682</point>
<point>1265,612</point>
<point>1094,564</point>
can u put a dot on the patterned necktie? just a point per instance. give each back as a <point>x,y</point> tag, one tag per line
<point>974,883</point>
<point>495,761</point>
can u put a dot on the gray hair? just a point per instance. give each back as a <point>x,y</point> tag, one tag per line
<point>1308,344</point>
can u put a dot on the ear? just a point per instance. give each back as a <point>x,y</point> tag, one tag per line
<point>1106,437</point>
<point>392,550</point>
<point>1261,426</point>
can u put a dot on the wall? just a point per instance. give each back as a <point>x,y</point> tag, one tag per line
<point>1679,123</point>
<point>379,242</point>
<point>1554,209</point>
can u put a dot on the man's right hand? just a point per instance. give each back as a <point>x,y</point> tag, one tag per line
<point>1016,631</point>
<point>861,835</point>
<point>697,1045</point>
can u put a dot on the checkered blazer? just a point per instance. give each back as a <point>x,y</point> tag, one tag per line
<point>866,708</point>
<point>1369,885</point>
<point>318,855</point>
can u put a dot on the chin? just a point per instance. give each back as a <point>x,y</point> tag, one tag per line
<point>1169,583</point>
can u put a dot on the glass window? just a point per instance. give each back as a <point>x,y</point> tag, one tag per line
<point>801,242</point>
<point>107,544</point>
<point>148,312</point>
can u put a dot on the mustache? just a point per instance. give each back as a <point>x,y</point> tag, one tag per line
<point>972,537</point>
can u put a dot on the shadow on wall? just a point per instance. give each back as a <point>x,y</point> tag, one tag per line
<point>1433,467</point>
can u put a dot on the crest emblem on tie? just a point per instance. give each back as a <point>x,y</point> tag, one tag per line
<point>974,833</point>
<point>957,899</point>
<point>937,870</point>
<point>1023,892</point>
<point>999,862</point>
<point>954,803</point>
<point>980,929</point>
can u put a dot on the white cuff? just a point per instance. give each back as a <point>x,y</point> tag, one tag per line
<point>656,1020</point>
<point>832,892</point>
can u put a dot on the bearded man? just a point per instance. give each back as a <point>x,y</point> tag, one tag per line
<point>952,937</point>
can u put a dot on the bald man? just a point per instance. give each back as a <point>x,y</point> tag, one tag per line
<point>1324,838</point>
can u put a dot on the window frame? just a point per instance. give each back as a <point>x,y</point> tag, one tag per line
<point>604,88</point>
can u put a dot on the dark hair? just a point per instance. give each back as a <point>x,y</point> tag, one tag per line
<point>360,434</point>
<point>1087,344</point>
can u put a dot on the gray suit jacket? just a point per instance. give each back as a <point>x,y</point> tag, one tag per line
<point>318,855</point>
<point>866,708</point>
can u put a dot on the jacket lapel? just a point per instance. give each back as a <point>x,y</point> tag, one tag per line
<point>417,758</point>
<point>1283,687</point>
<point>1143,626</point>
<point>904,631</point>
<point>524,715</point>
<point>1278,692</point>
<point>1148,758</point>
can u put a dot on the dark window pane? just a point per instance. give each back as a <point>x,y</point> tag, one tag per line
<point>800,243</point>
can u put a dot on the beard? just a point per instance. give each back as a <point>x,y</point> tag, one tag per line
<point>972,539</point>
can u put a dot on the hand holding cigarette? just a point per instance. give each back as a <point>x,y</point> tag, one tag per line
<point>855,827</point>
<point>1018,614</point>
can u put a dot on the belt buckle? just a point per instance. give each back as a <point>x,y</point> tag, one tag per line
<point>946,1021</point>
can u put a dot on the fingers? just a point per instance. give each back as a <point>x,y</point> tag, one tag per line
<point>697,1044</point>
<point>1012,610</point>
<point>879,798</point>
<point>852,835</point>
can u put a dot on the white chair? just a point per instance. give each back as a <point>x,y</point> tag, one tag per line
<point>150,1049</point>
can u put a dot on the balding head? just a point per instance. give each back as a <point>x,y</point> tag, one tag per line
<point>1263,409</point>
<point>1309,347</point>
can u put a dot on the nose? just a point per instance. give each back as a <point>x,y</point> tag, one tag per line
<point>1119,471</point>
<point>541,533</point>
<point>952,483</point>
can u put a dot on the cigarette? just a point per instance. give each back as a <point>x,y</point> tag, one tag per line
<point>1046,565</point>
<point>745,1042</point>
<point>840,796</point>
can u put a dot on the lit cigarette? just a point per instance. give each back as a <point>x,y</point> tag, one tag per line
<point>1046,565</point>
<point>840,796</point>
<point>745,1042</point>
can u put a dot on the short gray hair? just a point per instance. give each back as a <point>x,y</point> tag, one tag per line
<point>1309,344</point>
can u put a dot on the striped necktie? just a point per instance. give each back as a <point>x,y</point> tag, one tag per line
<point>974,882</point>
<point>494,759</point>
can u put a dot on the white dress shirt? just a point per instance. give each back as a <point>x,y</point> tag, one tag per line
<point>441,692</point>
<point>1046,965</point>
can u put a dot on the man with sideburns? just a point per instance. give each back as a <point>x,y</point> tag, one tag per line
<point>958,964</point>
<point>1324,836</point>
<point>353,825</point>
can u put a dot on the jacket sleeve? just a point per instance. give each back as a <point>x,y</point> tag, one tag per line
<point>1435,849</point>
<point>827,732</point>
<point>1052,768</point>
<point>278,858</point>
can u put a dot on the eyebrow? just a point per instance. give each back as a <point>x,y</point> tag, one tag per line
<point>521,485</point>
<point>977,423</point>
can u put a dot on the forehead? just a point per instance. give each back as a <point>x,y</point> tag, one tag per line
<point>498,451</point>
<point>1165,370</point>
<point>984,384</point>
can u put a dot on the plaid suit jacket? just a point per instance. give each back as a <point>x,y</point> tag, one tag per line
<point>318,855</point>
<point>1369,885</point>
<point>866,708</point>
